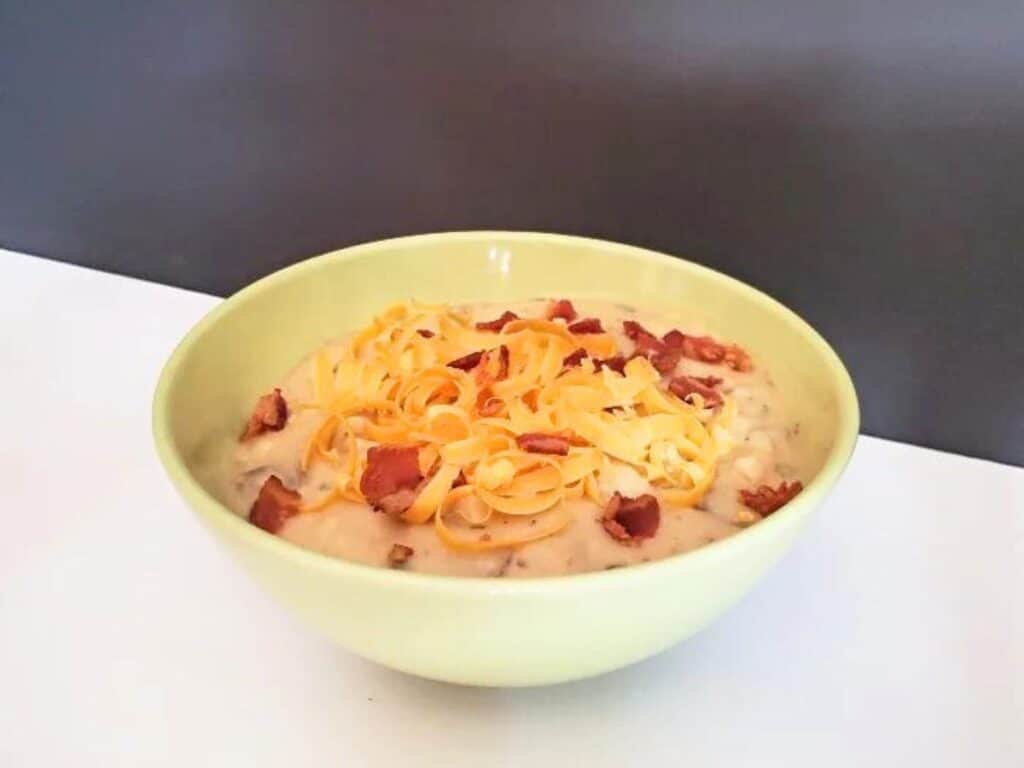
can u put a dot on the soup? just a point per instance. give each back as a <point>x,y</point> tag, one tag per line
<point>516,440</point>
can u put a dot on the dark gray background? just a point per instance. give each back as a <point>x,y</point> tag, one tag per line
<point>863,162</point>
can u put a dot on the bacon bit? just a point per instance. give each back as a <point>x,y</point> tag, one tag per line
<point>493,366</point>
<point>640,336</point>
<point>503,363</point>
<point>629,520</point>
<point>703,348</point>
<point>574,439</point>
<point>529,399</point>
<point>666,360</point>
<point>497,324</point>
<point>708,350</point>
<point>617,363</point>
<point>425,333</point>
<point>394,504</point>
<point>765,499</point>
<point>663,356</point>
<point>399,555</point>
<point>467,362</point>
<point>543,442</point>
<point>575,358</point>
<point>587,325</point>
<point>269,415</point>
<point>274,505</point>
<point>684,386</point>
<point>738,359</point>
<point>390,470</point>
<point>673,339</point>
<point>562,308</point>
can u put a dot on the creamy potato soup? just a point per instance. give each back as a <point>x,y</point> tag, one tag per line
<point>531,439</point>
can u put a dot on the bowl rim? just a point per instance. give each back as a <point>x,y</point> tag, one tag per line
<point>207,506</point>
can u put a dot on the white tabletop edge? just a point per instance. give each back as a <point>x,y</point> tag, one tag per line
<point>892,634</point>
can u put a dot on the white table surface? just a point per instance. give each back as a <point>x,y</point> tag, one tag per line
<point>893,634</point>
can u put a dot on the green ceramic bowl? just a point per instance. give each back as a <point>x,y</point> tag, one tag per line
<point>476,630</point>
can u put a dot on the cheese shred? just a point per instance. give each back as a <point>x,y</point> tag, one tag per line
<point>391,384</point>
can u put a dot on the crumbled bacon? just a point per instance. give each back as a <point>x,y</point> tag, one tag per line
<point>399,555</point>
<point>274,505</point>
<point>543,442</point>
<point>574,358</point>
<point>630,520</point>
<point>498,323</point>
<point>673,339</point>
<point>663,356</point>
<point>529,399</point>
<point>467,362</point>
<point>738,359</point>
<point>644,339</point>
<point>574,439</point>
<point>617,363</point>
<point>708,350</point>
<point>684,386</point>
<point>425,333</point>
<point>562,308</point>
<point>587,325</point>
<point>391,476</point>
<point>394,504</point>
<point>665,352</point>
<point>665,361</point>
<point>269,415</point>
<point>493,366</point>
<point>703,348</point>
<point>764,500</point>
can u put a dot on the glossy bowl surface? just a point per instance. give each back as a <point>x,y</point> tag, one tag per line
<point>474,630</point>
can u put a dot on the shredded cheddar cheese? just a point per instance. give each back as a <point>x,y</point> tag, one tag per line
<point>392,384</point>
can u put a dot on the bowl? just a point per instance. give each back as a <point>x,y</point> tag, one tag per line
<point>484,631</point>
